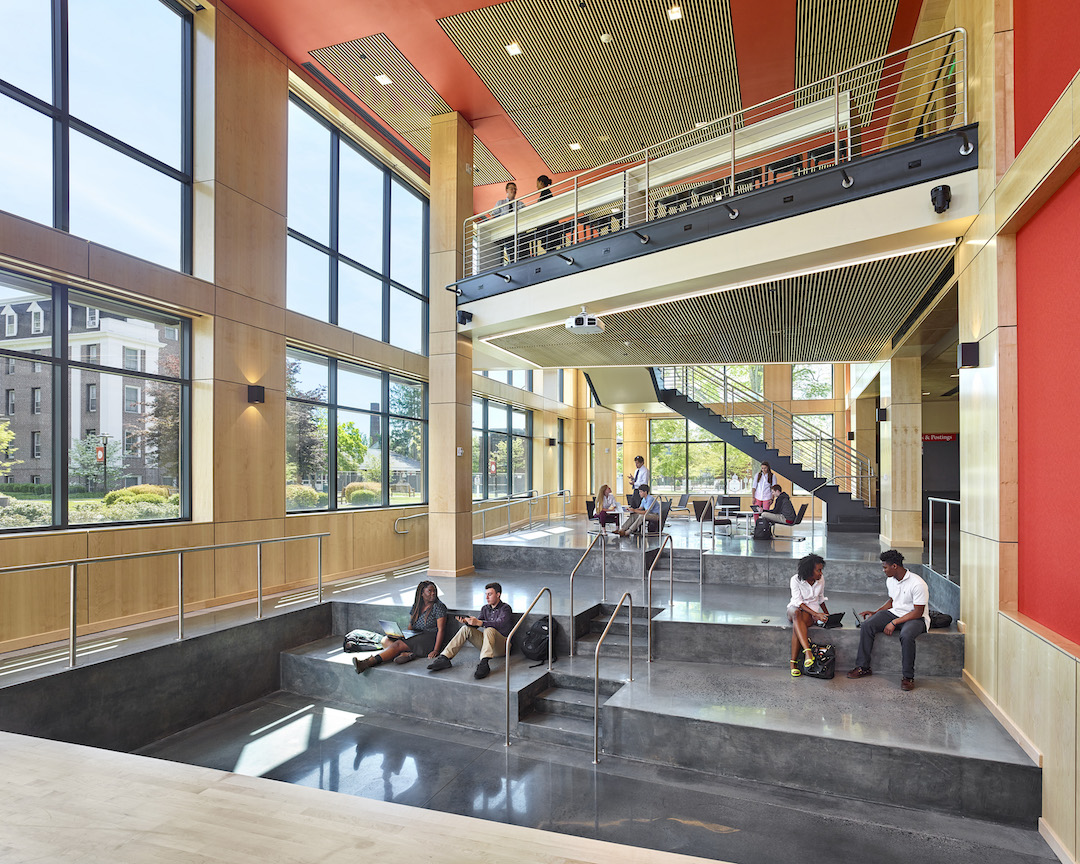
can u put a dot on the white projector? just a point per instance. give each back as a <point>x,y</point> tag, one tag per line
<point>584,323</point>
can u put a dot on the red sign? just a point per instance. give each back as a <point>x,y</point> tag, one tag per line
<point>939,436</point>
<point>99,453</point>
<point>493,467</point>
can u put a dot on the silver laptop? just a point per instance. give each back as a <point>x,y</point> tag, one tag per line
<point>390,628</point>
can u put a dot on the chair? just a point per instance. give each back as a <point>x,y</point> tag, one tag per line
<point>709,193</point>
<point>747,181</point>
<point>672,203</point>
<point>590,508</point>
<point>703,511</point>
<point>790,537</point>
<point>683,499</point>
<point>789,164</point>
<point>824,153</point>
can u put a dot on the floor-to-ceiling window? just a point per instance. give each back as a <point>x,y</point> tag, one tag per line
<point>358,237</point>
<point>96,420</point>
<point>95,108</point>
<point>502,449</point>
<point>683,457</point>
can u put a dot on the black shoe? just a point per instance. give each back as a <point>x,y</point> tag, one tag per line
<point>439,663</point>
<point>482,669</point>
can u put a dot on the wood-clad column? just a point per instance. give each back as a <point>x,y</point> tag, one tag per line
<point>450,355</point>
<point>901,454</point>
<point>604,466</point>
<point>866,442</point>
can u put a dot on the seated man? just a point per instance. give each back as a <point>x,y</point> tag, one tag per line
<point>649,510</point>
<point>488,632</point>
<point>782,510</point>
<point>907,610</point>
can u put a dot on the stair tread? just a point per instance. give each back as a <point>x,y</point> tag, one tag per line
<point>570,725</point>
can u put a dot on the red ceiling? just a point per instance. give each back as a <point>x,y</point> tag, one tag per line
<point>764,43</point>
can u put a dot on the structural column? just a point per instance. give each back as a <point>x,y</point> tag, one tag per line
<point>901,454</point>
<point>604,465</point>
<point>450,354</point>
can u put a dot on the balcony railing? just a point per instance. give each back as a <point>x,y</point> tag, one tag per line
<point>904,96</point>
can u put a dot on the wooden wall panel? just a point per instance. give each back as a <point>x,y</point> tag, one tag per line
<point>249,455</point>
<point>42,248</point>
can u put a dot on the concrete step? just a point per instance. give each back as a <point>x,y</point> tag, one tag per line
<point>566,702</point>
<point>615,645</point>
<point>558,729</point>
<point>620,628</point>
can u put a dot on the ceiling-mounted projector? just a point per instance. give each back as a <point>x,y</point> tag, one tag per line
<point>584,323</point>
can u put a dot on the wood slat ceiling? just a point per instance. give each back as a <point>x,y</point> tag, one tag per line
<point>407,105</point>
<point>655,79</point>
<point>845,315</point>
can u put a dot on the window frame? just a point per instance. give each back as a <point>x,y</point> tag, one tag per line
<point>486,431</point>
<point>337,259</point>
<point>63,123</point>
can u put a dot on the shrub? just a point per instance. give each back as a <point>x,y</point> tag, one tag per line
<point>117,495</point>
<point>300,497</point>
<point>25,488</point>
<point>130,510</point>
<point>363,497</point>
<point>25,513</point>
<point>148,498</point>
<point>149,489</point>
<point>355,487</point>
<point>175,499</point>
<point>324,499</point>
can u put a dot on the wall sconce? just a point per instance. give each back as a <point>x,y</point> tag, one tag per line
<point>850,436</point>
<point>882,415</point>
<point>551,442</point>
<point>256,394</point>
<point>967,355</point>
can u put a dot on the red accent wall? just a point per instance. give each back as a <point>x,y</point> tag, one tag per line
<point>1048,422</point>
<point>1046,56</point>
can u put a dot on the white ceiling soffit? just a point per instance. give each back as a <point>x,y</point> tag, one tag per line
<point>628,391</point>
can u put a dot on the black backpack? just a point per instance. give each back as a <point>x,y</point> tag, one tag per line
<point>824,665</point>
<point>763,530</point>
<point>534,644</point>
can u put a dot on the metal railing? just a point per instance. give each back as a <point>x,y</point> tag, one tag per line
<point>948,502</point>
<point>813,494</point>
<point>73,564</point>
<point>506,661</point>
<point>710,510</point>
<point>903,96</point>
<point>643,537</point>
<point>603,580</point>
<point>802,442</point>
<point>596,666</point>
<point>529,498</point>
<point>671,584</point>
<point>406,519</point>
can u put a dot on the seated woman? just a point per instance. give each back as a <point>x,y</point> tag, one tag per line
<point>806,608</point>
<point>428,615</point>
<point>607,508</point>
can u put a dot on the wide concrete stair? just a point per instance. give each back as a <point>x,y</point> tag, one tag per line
<point>717,700</point>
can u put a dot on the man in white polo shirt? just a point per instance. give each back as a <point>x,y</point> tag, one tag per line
<point>907,611</point>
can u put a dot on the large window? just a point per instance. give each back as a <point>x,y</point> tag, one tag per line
<point>354,436</point>
<point>686,458</point>
<point>520,378</point>
<point>88,428</point>
<point>812,381</point>
<point>812,445</point>
<point>502,449</point>
<point>358,237</point>
<point>97,123</point>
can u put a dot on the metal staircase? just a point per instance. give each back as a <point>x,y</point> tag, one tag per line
<point>837,474</point>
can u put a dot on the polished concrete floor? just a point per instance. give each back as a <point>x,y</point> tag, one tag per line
<point>457,770</point>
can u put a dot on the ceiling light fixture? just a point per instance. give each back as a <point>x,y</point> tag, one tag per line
<point>513,49</point>
<point>700,125</point>
<point>606,38</point>
<point>674,13</point>
<point>384,80</point>
<point>575,146</point>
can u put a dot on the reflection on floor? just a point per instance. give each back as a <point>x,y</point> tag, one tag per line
<point>462,771</point>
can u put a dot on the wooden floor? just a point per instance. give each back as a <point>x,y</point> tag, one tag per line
<point>65,802</point>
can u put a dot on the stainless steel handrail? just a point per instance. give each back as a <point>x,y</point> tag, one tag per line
<point>506,661</point>
<point>813,493</point>
<point>406,519</point>
<point>671,584</point>
<point>948,526</point>
<point>510,500</point>
<point>603,576</point>
<point>596,667</point>
<point>643,538</point>
<point>73,568</point>
<point>710,507</point>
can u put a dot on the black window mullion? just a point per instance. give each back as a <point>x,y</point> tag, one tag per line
<point>384,426</point>
<point>331,434</point>
<point>61,415</point>
<point>61,134</point>
<point>335,192</point>
<point>386,289</point>
<point>187,144</point>
<point>485,449</point>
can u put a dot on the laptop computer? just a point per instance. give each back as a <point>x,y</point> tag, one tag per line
<point>835,620</point>
<point>390,628</point>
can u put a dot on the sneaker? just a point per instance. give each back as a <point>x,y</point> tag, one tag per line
<point>860,672</point>
<point>907,683</point>
<point>439,663</point>
<point>407,657</point>
<point>482,669</point>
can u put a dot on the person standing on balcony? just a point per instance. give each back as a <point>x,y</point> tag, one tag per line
<point>507,245</point>
<point>639,478</point>
<point>544,237</point>
<point>764,481</point>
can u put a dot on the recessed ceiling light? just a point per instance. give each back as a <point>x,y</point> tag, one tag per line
<point>674,13</point>
<point>955,375</point>
<point>575,146</point>
<point>384,80</point>
<point>513,49</point>
<point>925,392</point>
<point>606,38</point>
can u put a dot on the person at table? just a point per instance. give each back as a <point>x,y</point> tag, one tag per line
<point>639,478</point>
<point>607,508</point>
<point>806,608</point>
<point>428,616</point>
<point>648,513</point>
<point>783,511</point>
<point>507,245</point>
<point>763,486</point>
<point>545,236</point>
